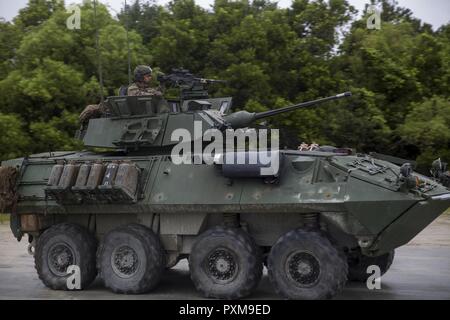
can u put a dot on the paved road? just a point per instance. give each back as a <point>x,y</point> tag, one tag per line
<point>421,270</point>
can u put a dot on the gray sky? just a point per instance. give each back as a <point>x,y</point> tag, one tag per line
<point>435,12</point>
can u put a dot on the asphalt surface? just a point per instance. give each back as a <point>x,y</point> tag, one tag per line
<point>421,270</point>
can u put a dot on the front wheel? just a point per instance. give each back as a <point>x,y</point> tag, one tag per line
<point>305,265</point>
<point>225,263</point>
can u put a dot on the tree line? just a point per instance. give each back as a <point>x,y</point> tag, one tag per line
<point>270,56</point>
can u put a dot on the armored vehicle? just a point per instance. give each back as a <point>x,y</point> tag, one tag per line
<point>127,211</point>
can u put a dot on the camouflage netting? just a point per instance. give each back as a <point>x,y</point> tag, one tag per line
<point>91,112</point>
<point>8,195</point>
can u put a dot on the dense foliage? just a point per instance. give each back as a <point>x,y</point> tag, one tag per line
<point>271,57</point>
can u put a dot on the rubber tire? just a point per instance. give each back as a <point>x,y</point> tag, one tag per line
<point>145,231</point>
<point>147,245</point>
<point>358,264</point>
<point>83,245</point>
<point>242,245</point>
<point>333,273</point>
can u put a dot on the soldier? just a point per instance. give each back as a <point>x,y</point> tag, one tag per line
<point>141,85</point>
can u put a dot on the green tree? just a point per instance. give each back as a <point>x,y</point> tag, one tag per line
<point>14,140</point>
<point>183,39</point>
<point>401,65</point>
<point>36,13</point>
<point>427,127</point>
<point>144,18</point>
<point>10,37</point>
<point>56,134</point>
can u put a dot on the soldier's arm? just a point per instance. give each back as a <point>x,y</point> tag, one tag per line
<point>155,92</point>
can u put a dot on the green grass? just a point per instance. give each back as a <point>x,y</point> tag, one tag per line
<point>4,218</point>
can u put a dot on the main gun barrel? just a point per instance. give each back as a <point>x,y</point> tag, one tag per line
<point>270,113</point>
<point>242,119</point>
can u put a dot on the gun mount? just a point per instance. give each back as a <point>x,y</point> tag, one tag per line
<point>191,87</point>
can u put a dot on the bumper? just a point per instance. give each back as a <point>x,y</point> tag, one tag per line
<point>410,223</point>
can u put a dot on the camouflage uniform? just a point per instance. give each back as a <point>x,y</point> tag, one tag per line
<point>91,112</point>
<point>141,90</point>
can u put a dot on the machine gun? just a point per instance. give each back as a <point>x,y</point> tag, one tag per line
<point>191,87</point>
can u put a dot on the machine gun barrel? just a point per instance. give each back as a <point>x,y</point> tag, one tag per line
<point>242,119</point>
<point>270,113</point>
<point>207,81</point>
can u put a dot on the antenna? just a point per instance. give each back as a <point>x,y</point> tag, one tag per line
<point>127,17</point>
<point>97,45</point>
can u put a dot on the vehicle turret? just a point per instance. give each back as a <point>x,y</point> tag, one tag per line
<point>147,122</point>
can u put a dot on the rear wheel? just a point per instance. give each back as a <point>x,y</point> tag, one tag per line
<point>60,247</point>
<point>305,265</point>
<point>225,263</point>
<point>131,260</point>
<point>358,264</point>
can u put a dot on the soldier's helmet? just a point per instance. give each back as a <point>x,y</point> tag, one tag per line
<point>141,71</point>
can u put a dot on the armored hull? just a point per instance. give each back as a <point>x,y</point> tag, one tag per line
<point>358,201</point>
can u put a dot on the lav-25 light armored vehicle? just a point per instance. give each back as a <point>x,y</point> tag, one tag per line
<point>321,218</point>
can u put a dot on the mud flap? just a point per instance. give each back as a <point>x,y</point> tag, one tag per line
<point>14,223</point>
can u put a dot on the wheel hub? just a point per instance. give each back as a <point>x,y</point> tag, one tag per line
<point>303,268</point>
<point>125,261</point>
<point>60,257</point>
<point>221,265</point>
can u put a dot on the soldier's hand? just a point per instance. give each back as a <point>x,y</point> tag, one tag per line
<point>156,93</point>
<point>91,111</point>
